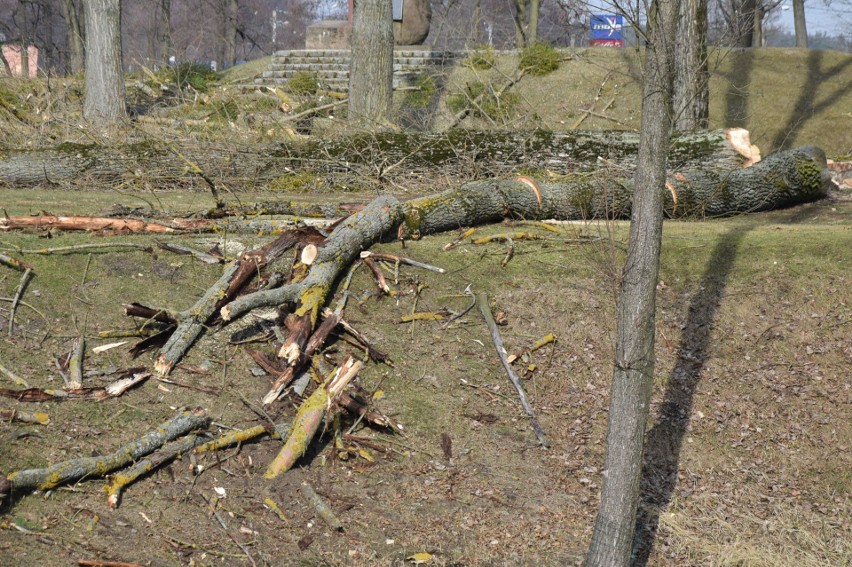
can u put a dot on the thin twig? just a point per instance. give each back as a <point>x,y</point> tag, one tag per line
<point>482,299</point>
<point>18,293</point>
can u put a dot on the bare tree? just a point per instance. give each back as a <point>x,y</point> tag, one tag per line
<point>104,102</point>
<point>633,373</point>
<point>526,22</point>
<point>691,77</point>
<point>76,49</point>
<point>229,33</point>
<point>164,31</point>
<point>799,23</point>
<point>371,69</point>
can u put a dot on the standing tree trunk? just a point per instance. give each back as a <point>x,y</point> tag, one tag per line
<point>23,26</point>
<point>757,31</point>
<point>743,27</point>
<point>799,23</point>
<point>692,79</point>
<point>104,102</point>
<point>164,31</point>
<point>371,69</point>
<point>633,373</point>
<point>526,22</point>
<point>77,53</point>
<point>229,55</point>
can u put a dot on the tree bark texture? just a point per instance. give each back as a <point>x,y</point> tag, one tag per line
<point>76,49</point>
<point>498,152</point>
<point>799,23</point>
<point>230,33</point>
<point>691,77</point>
<point>633,369</point>
<point>371,69</point>
<point>164,31</point>
<point>104,102</point>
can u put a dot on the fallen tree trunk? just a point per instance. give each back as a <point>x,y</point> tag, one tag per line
<point>782,179</point>
<point>376,156</point>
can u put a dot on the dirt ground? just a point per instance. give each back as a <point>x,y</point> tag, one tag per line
<point>748,458</point>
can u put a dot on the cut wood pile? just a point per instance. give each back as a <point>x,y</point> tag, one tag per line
<point>300,272</point>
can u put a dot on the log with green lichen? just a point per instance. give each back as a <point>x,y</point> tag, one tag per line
<point>96,467</point>
<point>310,416</point>
<point>173,450</point>
<point>782,179</point>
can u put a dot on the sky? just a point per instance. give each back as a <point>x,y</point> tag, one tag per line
<point>832,19</point>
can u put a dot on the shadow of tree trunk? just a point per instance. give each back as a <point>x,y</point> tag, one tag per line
<point>665,439</point>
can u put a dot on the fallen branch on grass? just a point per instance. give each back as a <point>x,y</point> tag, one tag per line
<point>113,390</point>
<point>119,481</point>
<point>482,300</point>
<point>309,417</point>
<point>96,467</point>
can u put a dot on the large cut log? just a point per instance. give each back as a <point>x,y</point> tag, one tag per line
<point>782,179</point>
<point>382,155</point>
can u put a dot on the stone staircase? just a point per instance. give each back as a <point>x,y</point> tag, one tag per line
<point>331,66</point>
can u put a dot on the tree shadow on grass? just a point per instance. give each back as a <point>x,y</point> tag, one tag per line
<point>664,441</point>
<point>806,106</point>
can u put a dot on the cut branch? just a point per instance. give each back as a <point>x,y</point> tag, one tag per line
<point>95,467</point>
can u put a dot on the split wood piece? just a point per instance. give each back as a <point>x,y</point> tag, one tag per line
<point>401,260</point>
<point>482,300</point>
<point>187,251</point>
<point>510,252</point>
<point>19,292</point>
<point>299,327</point>
<point>14,263</point>
<point>311,346</point>
<point>56,222</point>
<point>280,431</point>
<point>324,510</point>
<point>381,282</point>
<point>38,418</point>
<point>740,140</point>
<point>234,278</point>
<point>75,365</point>
<point>173,450</point>
<point>113,390</point>
<point>310,415</point>
<point>94,467</point>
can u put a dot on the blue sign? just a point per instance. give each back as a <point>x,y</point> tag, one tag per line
<point>606,26</point>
